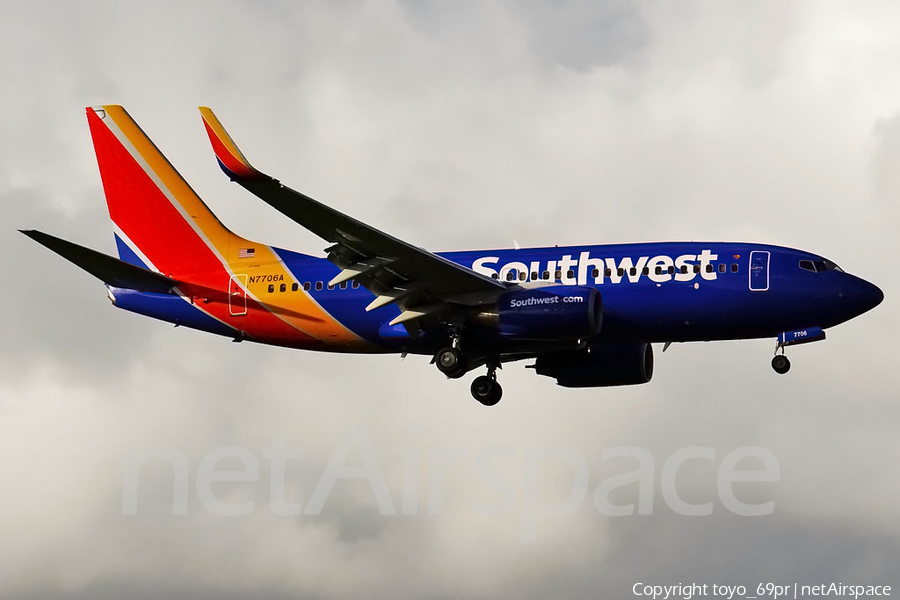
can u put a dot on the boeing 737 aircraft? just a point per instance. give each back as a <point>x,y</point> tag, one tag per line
<point>586,314</point>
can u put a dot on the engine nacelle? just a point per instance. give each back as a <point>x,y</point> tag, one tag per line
<point>547,313</point>
<point>601,365</point>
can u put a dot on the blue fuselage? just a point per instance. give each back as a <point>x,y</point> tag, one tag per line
<point>651,292</point>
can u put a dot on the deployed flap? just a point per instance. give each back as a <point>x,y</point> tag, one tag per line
<point>109,270</point>
<point>353,240</point>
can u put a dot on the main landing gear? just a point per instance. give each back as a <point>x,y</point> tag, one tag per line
<point>486,389</point>
<point>451,362</point>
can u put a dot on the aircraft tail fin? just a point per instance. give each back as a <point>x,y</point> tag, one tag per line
<point>161,223</point>
<point>109,270</point>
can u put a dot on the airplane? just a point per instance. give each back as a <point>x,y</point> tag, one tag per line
<point>586,315</point>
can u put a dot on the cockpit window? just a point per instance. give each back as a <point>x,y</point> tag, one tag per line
<point>819,266</point>
<point>827,265</point>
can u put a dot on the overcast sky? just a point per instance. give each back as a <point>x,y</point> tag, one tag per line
<point>451,125</point>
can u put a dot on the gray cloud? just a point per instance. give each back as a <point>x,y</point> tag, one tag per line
<point>463,125</point>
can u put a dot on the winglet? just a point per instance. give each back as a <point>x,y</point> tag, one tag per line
<point>230,158</point>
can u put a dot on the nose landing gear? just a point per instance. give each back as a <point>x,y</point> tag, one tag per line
<point>781,364</point>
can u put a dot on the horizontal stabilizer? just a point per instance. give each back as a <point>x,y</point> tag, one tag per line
<point>107,269</point>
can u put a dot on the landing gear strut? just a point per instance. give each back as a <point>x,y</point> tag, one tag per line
<point>780,362</point>
<point>486,389</point>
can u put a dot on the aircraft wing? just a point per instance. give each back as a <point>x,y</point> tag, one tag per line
<point>419,281</point>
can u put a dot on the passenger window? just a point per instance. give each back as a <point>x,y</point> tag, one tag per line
<point>510,276</point>
<point>282,287</point>
<point>355,284</point>
<point>696,268</point>
<point>683,269</point>
<point>306,285</point>
<point>330,286</point>
<point>494,276</point>
<point>570,273</point>
<point>722,267</point>
<point>671,269</point>
<point>709,268</point>
<point>658,270</point>
<point>734,267</point>
<point>295,287</point>
<point>607,272</point>
<point>343,285</point>
<point>807,265</point>
<point>621,272</point>
<point>545,275</point>
<point>595,273</point>
<point>318,286</point>
<point>632,271</point>
<point>271,288</point>
<point>522,276</point>
<point>645,270</point>
<point>558,275</point>
<point>534,275</point>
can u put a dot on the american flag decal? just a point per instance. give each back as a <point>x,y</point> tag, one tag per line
<point>246,252</point>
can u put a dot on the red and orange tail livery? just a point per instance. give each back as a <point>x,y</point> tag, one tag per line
<point>158,217</point>
<point>161,224</point>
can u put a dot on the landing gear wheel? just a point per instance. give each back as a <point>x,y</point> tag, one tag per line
<point>486,390</point>
<point>450,362</point>
<point>781,364</point>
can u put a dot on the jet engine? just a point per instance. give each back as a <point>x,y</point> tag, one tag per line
<point>548,313</point>
<point>600,365</point>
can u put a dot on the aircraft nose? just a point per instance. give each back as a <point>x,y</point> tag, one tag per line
<point>877,296</point>
<point>862,295</point>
